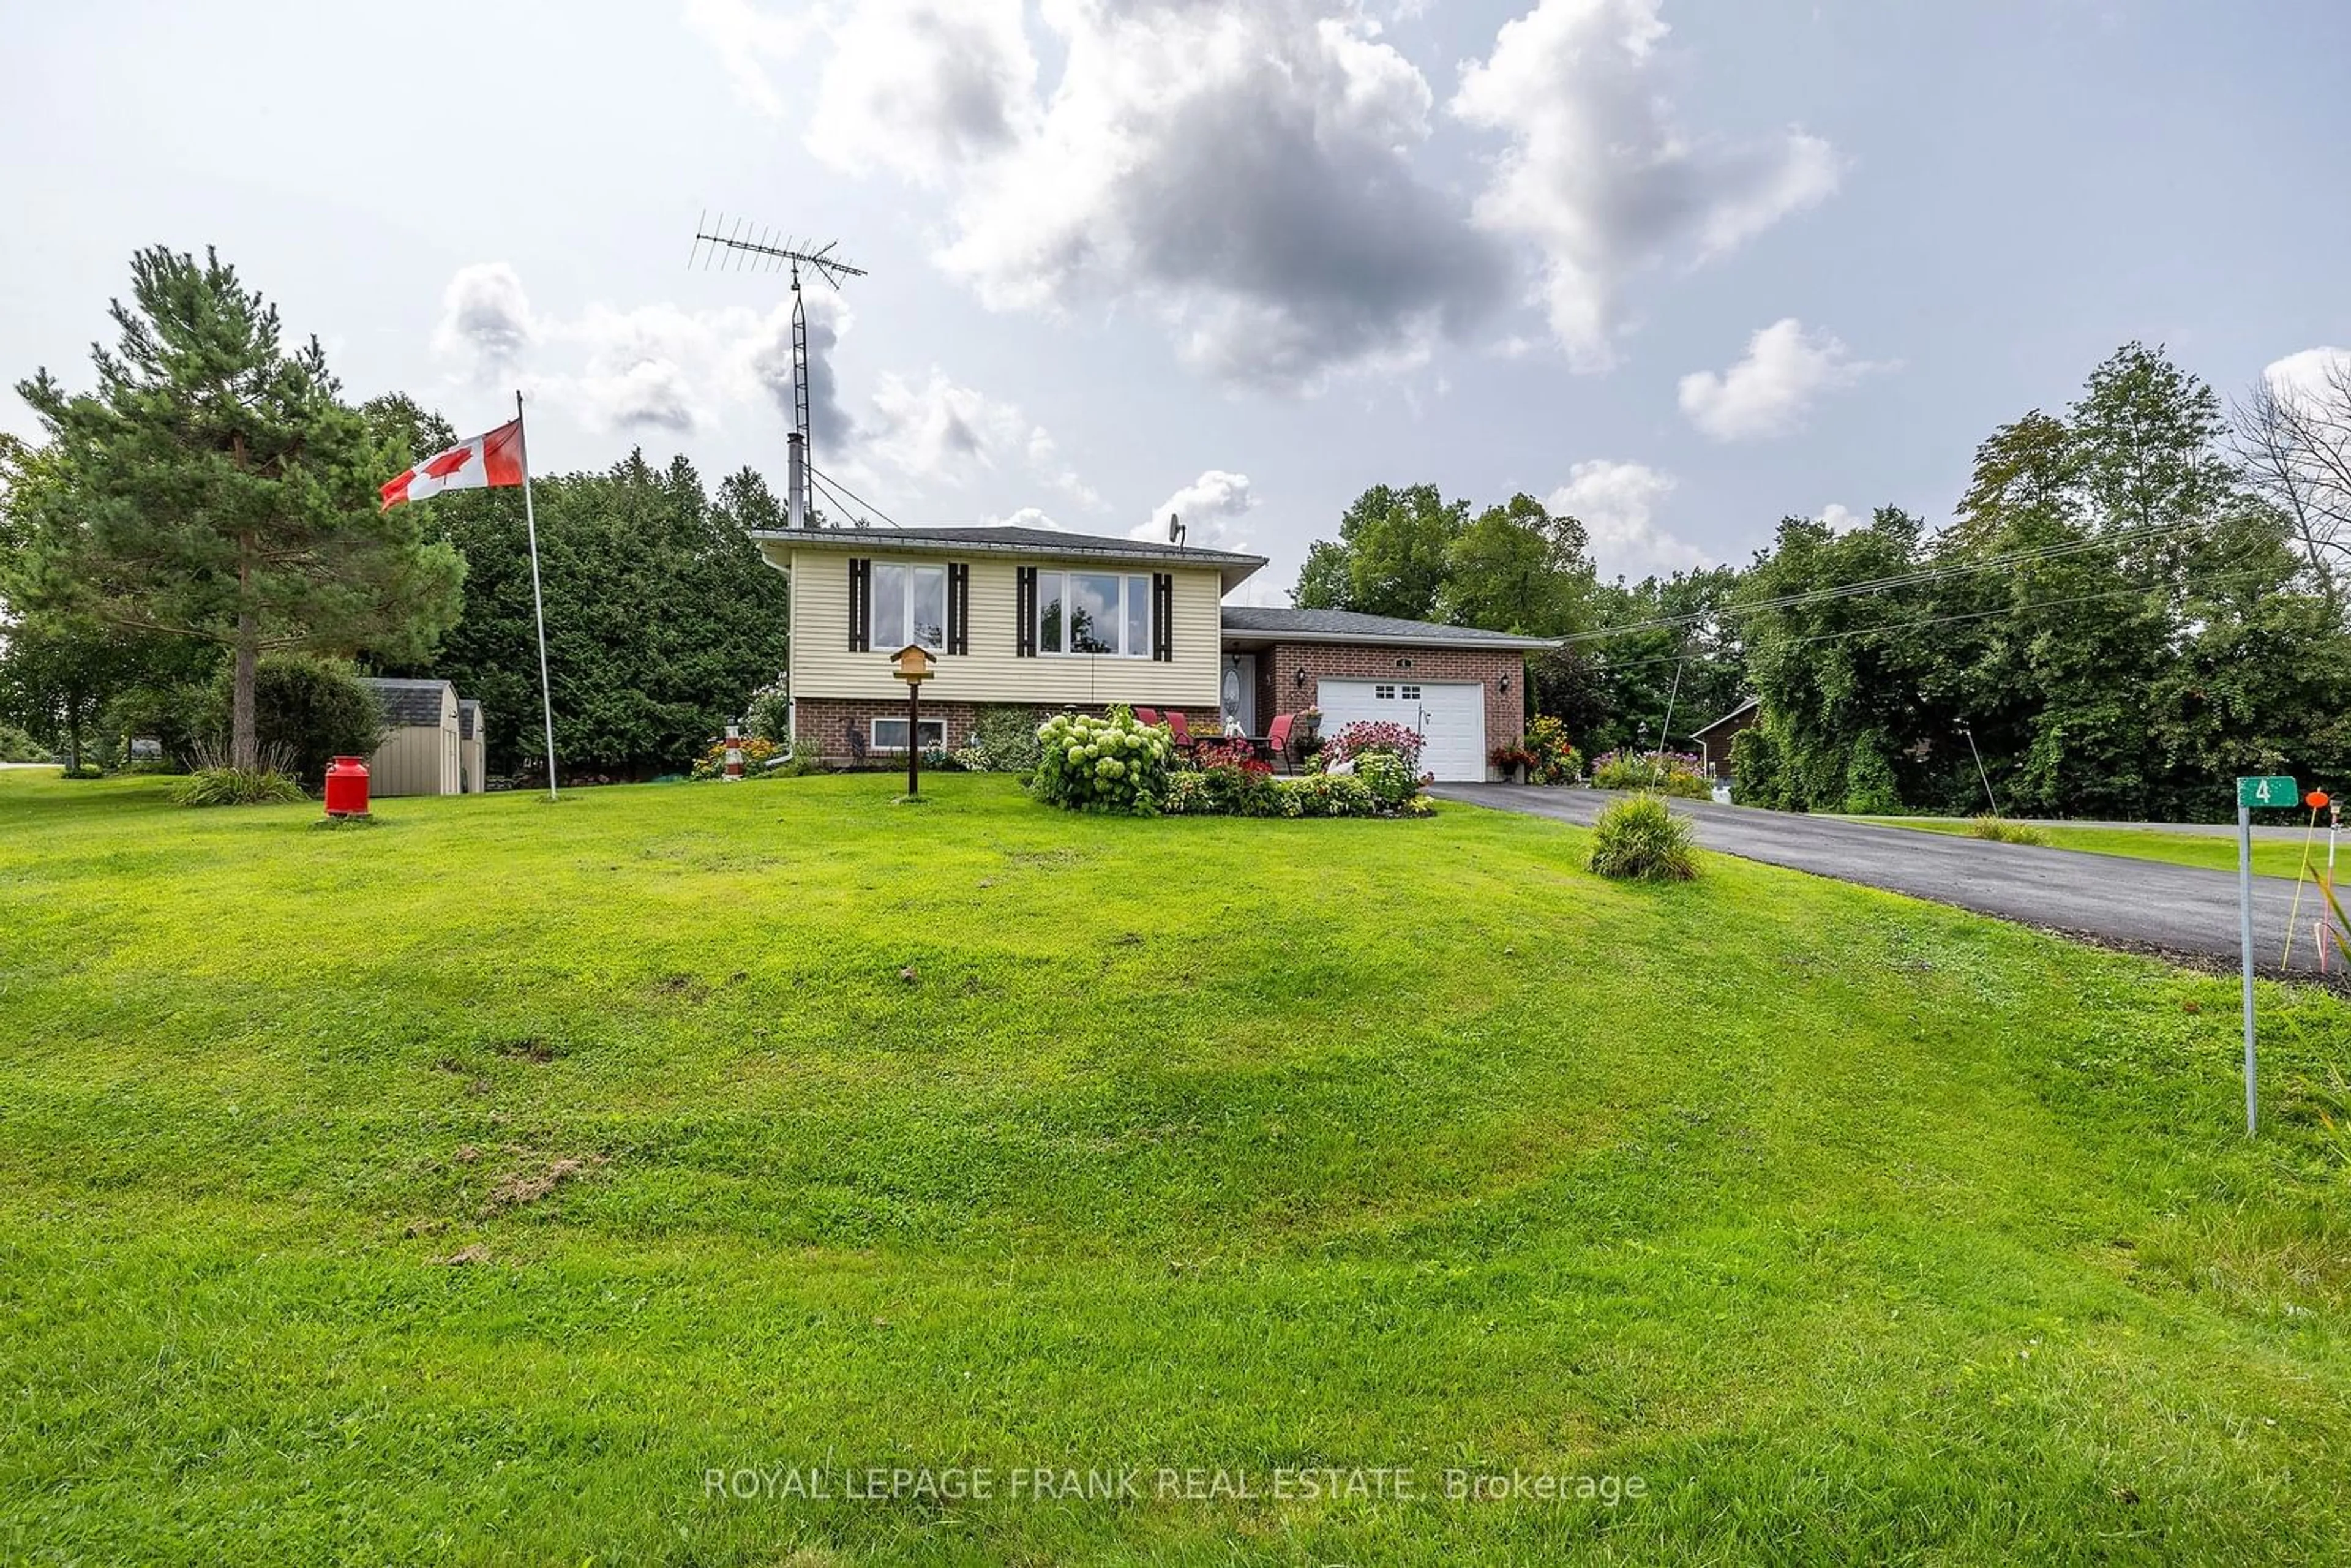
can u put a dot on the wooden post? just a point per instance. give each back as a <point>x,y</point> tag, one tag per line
<point>914,738</point>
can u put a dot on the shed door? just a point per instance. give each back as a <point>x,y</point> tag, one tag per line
<point>1450,714</point>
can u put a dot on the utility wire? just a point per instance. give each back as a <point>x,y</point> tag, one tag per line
<point>1877,585</point>
<point>853,501</point>
<point>1936,620</point>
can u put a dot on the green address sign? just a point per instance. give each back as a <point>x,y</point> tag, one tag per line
<point>2272,789</point>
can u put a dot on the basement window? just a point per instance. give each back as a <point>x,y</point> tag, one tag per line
<point>890,734</point>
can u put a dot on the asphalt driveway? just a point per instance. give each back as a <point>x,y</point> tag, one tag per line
<point>2146,906</point>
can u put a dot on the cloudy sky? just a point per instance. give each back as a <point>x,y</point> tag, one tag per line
<point>1680,266</point>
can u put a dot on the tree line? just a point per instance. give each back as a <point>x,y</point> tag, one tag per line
<point>2138,597</point>
<point>212,503</point>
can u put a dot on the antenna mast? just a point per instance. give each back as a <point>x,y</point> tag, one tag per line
<point>766,252</point>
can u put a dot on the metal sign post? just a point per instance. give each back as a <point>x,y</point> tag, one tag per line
<point>2271,789</point>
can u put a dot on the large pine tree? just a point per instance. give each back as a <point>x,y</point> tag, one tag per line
<point>215,487</point>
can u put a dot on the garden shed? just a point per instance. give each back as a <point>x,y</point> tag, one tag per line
<point>473,749</point>
<point>422,747</point>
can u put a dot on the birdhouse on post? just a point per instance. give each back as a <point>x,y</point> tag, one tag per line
<point>913,665</point>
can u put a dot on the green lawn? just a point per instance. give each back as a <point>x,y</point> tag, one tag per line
<point>2271,857</point>
<point>785,1126</point>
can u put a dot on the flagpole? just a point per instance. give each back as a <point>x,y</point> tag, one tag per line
<point>538,605</point>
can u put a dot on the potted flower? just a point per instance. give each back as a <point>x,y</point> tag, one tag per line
<point>1516,761</point>
<point>1306,725</point>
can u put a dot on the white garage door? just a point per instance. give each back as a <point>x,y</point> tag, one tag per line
<point>1450,714</point>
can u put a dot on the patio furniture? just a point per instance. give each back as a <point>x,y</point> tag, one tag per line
<point>1146,715</point>
<point>1182,730</point>
<point>1277,740</point>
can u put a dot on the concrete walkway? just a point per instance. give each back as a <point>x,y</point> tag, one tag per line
<point>2144,905</point>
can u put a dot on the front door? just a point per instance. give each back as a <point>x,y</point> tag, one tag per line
<point>1239,701</point>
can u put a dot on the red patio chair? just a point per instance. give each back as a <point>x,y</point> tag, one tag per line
<point>1181,730</point>
<point>1146,715</point>
<point>1277,740</point>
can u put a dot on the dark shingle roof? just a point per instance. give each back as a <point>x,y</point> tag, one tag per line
<point>1052,539</point>
<point>409,701</point>
<point>1726,718</point>
<point>469,717</point>
<point>1346,625</point>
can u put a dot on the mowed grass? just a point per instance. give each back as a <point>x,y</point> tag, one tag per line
<point>2214,852</point>
<point>781,1125</point>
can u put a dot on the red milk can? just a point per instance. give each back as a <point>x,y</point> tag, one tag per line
<point>346,786</point>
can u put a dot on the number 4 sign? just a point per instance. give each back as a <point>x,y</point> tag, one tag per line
<point>2271,789</point>
<point>2268,789</point>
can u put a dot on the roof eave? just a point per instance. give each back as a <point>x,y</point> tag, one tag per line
<point>1232,569</point>
<point>1391,640</point>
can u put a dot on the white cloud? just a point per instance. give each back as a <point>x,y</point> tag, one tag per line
<point>934,428</point>
<point>1772,391</point>
<point>748,40</point>
<point>2307,374</point>
<point>1599,178</point>
<point>663,368</point>
<point>1617,504</point>
<point>1211,506</point>
<point>1247,174</point>
<point>1840,518</point>
<point>486,324</point>
<point>1242,173</point>
<point>1025,518</point>
<point>919,88</point>
<point>939,432</point>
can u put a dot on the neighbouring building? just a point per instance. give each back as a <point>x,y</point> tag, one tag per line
<point>422,747</point>
<point>1051,620</point>
<point>1714,741</point>
<point>473,750</point>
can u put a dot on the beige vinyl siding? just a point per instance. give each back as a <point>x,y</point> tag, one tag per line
<point>993,671</point>
<point>415,760</point>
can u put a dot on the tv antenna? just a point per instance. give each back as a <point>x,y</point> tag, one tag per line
<point>763,250</point>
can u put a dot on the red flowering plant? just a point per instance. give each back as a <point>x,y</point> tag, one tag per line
<point>1238,754</point>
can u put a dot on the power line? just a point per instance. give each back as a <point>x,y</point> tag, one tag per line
<point>1938,619</point>
<point>1912,579</point>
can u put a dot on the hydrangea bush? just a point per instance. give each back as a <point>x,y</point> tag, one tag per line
<point>1110,764</point>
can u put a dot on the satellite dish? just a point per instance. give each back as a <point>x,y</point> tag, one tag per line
<point>1175,530</point>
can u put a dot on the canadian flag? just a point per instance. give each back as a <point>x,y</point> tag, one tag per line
<point>492,459</point>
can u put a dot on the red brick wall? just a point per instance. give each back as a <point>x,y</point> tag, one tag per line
<point>1505,711</point>
<point>826,721</point>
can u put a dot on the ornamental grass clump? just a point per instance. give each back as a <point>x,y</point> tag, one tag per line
<point>2001,830</point>
<point>214,780</point>
<point>1114,764</point>
<point>1637,839</point>
<point>237,787</point>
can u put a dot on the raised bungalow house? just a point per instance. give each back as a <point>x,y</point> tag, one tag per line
<point>1053,621</point>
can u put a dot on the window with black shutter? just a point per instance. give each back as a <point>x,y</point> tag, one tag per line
<point>1163,617</point>
<point>861,605</point>
<point>959,608</point>
<point>1023,610</point>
